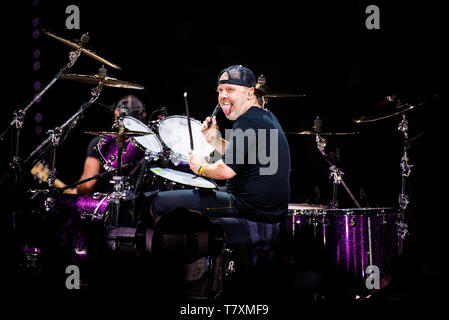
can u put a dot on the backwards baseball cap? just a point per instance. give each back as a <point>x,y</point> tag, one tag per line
<point>238,75</point>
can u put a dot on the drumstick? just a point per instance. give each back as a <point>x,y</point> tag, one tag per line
<point>188,121</point>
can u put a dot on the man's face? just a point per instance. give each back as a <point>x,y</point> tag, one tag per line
<point>232,98</point>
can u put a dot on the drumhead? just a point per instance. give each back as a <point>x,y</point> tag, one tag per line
<point>150,141</point>
<point>305,206</point>
<point>174,132</point>
<point>184,178</point>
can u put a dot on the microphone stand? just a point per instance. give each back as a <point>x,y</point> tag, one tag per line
<point>336,174</point>
<point>19,115</point>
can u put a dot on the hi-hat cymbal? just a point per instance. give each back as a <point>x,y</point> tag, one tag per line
<point>312,131</point>
<point>86,51</point>
<point>126,134</point>
<point>107,81</point>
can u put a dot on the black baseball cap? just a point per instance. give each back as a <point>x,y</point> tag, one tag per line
<point>238,75</point>
<point>133,103</point>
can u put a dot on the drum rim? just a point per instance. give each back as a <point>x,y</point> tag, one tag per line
<point>198,177</point>
<point>360,211</point>
<point>136,142</point>
<point>106,165</point>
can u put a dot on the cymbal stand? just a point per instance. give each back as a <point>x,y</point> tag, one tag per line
<point>118,179</point>
<point>54,140</point>
<point>335,173</point>
<point>19,115</point>
<point>406,167</point>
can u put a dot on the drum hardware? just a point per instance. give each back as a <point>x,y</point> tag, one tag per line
<point>263,91</point>
<point>313,131</point>
<point>353,223</point>
<point>317,129</point>
<point>370,247</point>
<point>335,172</point>
<point>397,107</point>
<point>19,115</point>
<point>404,199</point>
<point>56,137</point>
<point>82,47</point>
<point>97,214</point>
<point>402,230</point>
<point>107,81</point>
<point>94,177</point>
<point>115,134</point>
<point>142,171</point>
<point>140,139</point>
<point>351,240</point>
<point>176,158</point>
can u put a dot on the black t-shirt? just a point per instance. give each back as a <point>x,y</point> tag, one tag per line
<point>259,154</point>
<point>103,185</point>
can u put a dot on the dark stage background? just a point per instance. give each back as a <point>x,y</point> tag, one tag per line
<point>315,48</point>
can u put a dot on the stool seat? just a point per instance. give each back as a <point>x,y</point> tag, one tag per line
<point>243,234</point>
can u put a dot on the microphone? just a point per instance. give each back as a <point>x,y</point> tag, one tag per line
<point>217,108</point>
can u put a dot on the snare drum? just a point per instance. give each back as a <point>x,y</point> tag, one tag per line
<point>135,149</point>
<point>168,179</point>
<point>174,132</point>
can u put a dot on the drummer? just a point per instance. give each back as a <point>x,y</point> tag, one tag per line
<point>92,165</point>
<point>255,190</point>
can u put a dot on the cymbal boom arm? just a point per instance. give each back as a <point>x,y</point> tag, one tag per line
<point>336,174</point>
<point>19,115</point>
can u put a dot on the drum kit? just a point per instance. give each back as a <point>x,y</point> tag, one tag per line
<point>360,243</point>
<point>129,146</point>
<point>358,239</point>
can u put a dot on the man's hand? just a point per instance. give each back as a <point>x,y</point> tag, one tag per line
<point>213,133</point>
<point>195,161</point>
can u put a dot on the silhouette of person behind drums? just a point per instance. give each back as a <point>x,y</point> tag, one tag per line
<point>92,164</point>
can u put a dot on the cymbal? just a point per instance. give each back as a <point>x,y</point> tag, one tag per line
<point>371,118</point>
<point>127,134</point>
<point>107,81</point>
<point>282,95</point>
<point>261,86</point>
<point>84,50</point>
<point>311,131</point>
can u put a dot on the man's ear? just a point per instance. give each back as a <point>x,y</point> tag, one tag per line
<point>250,93</point>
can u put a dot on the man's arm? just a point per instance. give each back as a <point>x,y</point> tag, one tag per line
<point>217,171</point>
<point>91,168</point>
